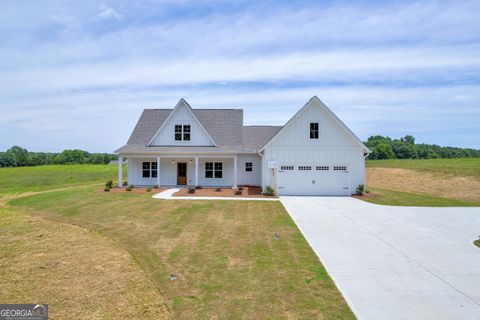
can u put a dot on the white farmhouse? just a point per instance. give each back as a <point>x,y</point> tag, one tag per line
<point>314,153</point>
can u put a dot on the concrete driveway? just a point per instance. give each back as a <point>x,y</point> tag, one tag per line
<point>395,262</point>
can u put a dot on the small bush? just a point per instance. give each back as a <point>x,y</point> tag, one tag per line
<point>148,189</point>
<point>106,189</point>
<point>361,189</point>
<point>240,188</point>
<point>129,188</point>
<point>238,192</point>
<point>191,190</point>
<point>109,184</point>
<point>155,186</point>
<point>198,187</point>
<point>269,191</point>
<point>218,189</point>
<point>124,183</point>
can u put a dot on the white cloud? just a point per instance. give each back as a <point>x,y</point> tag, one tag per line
<point>107,12</point>
<point>401,67</point>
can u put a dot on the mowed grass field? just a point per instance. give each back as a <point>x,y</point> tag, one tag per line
<point>432,182</point>
<point>115,252</point>
<point>30,179</point>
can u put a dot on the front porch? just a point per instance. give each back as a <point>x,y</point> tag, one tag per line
<point>180,170</point>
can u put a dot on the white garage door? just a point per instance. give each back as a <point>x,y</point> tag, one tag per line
<point>313,179</point>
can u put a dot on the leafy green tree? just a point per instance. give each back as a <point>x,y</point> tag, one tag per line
<point>383,151</point>
<point>21,156</point>
<point>7,159</point>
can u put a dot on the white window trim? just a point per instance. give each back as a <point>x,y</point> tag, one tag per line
<point>245,167</point>
<point>150,170</point>
<point>213,170</point>
<point>318,131</point>
<point>182,123</point>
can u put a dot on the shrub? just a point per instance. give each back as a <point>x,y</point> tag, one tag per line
<point>240,188</point>
<point>218,189</point>
<point>269,191</point>
<point>124,183</point>
<point>109,184</point>
<point>148,189</point>
<point>191,190</point>
<point>129,188</point>
<point>361,189</point>
<point>238,192</point>
<point>198,187</point>
<point>106,189</point>
<point>155,186</point>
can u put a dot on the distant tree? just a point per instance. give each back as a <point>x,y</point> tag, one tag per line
<point>7,159</point>
<point>72,156</point>
<point>408,139</point>
<point>21,156</point>
<point>382,151</point>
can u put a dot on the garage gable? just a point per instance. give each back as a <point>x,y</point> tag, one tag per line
<point>328,130</point>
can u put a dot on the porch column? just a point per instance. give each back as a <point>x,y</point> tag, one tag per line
<point>158,171</point>
<point>196,171</point>
<point>235,171</point>
<point>120,171</point>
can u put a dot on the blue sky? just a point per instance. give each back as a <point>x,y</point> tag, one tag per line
<point>77,74</point>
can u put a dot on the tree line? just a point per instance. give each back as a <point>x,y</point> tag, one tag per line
<point>19,157</point>
<point>406,148</point>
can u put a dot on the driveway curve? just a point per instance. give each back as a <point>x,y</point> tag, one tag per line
<point>395,262</point>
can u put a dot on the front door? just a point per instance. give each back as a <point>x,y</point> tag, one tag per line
<point>181,173</point>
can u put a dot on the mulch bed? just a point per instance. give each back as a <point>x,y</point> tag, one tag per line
<point>247,192</point>
<point>366,195</point>
<point>134,190</point>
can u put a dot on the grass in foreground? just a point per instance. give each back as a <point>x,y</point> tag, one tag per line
<point>458,167</point>
<point>227,262</point>
<point>79,273</point>
<point>397,198</point>
<point>23,179</point>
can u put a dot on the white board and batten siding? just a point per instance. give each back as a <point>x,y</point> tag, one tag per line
<point>181,116</point>
<point>335,147</point>
<point>252,178</point>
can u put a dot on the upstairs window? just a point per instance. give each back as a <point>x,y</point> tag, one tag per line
<point>313,130</point>
<point>182,132</point>
<point>248,166</point>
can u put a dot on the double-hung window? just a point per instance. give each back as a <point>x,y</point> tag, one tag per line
<point>313,130</point>
<point>213,170</point>
<point>149,169</point>
<point>182,132</point>
<point>248,166</point>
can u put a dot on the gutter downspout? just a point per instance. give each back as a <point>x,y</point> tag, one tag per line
<point>263,170</point>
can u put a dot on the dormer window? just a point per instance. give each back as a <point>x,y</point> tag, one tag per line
<point>313,130</point>
<point>182,132</point>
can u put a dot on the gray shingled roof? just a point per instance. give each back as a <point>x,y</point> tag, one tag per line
<point>255,137</point>
<point>225,126</point>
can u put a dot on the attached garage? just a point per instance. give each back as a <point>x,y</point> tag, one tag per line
<point>315,153</point>
<point>313,179</point>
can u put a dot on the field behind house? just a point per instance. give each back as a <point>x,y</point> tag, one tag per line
<point>432,182</point>
<point>40,178</point>
<point>114,252</point>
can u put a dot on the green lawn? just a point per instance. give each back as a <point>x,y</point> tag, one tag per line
<point>460,166</point>
<point>23,179</point>
<point>397,198</point>
<point>227,262</point>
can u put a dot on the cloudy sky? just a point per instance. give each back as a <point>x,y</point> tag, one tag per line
<point>77,74</point>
